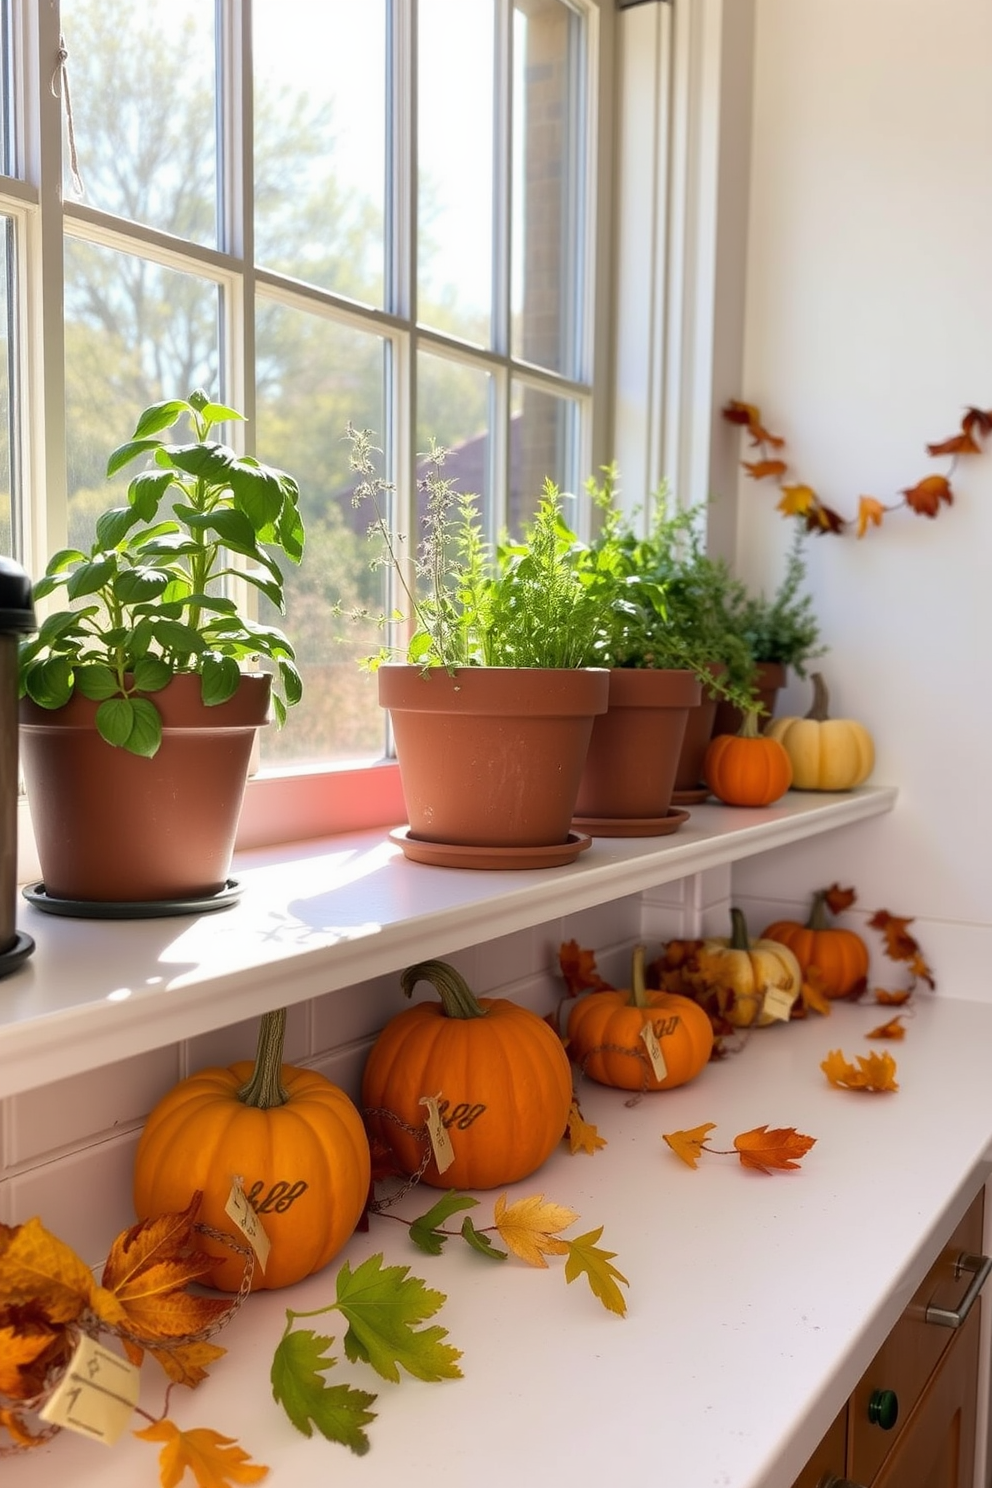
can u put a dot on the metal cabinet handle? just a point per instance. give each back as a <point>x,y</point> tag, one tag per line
<point>979,1267</point>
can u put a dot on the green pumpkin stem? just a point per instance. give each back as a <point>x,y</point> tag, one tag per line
<point>820,709</point>
<point>749,725</point>
<point>818,912</point>
<point>739,940</point>
<point>457,998</point>
<point>263,1088</point>
<point>638,991</point>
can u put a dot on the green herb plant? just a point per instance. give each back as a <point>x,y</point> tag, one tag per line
<point>147,602</point>
<point>525,605</point>
<point>784,627</point>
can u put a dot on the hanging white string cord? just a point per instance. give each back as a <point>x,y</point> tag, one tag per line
<point>60,89</point>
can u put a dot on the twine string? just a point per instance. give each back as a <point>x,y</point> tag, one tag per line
<point>60,89</point>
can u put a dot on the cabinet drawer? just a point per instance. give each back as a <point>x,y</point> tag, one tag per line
<point>910,1354</point>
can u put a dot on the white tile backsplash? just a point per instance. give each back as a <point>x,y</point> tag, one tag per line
<point>84,1198</point>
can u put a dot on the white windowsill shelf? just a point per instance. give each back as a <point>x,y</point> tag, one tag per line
<point>317,916</point>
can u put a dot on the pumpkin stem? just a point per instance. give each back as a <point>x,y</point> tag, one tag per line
<point>638,991</point>
<point>739,940</point>
<point>457,998</point>
<point>819,711</point>
<point>749,724</point>
<point>264,1088</point>
<point>818,912</point>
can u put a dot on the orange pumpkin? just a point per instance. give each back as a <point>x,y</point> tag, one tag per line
<point>503,1078</point>
<point>296,1141</point>
<point>747,768</point>
<point>839,956</point>
<point>605,1035</point>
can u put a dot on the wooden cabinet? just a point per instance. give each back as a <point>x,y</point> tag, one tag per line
<point>910,1422</point>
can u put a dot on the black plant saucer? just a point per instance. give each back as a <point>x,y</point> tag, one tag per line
<point>15,955</point>
<point>144,909</point>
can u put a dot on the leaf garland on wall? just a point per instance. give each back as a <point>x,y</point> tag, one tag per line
<point>925,498</point>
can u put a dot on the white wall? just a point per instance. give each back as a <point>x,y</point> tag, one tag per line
<point>868,331</point>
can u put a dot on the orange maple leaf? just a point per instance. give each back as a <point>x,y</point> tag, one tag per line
<point>894,1029</point>
<point>38,1268</point>
<point>813,994</point>
<point>875,1072</point>
<point>870,514</point>
<point>689,1144</point>
<point>148,1273</point>
<point>18,1429</point>
<point>899,944</point>
<point>822,519</point>
<point>925,497</point>
<point>838,899</point>
<point>578,967</point>
<point>17,1352</point>
<point>919,968</point>
<point>892,999</point>
<point>958,444</point>
<point>765,1150</point>
<point>765,469</point>
<point>582,1135</point>
<point>796,500</point>
<point>974,418</point>
<point>215,1461</point>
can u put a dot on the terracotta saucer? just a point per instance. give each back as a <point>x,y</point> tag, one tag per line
<point>456,855</point>
<point>694,797</point>
<point>631,826</point>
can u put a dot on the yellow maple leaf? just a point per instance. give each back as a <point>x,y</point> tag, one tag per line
<point>17,1350</point>
<point>529,1226</point>
<point>812,994</point>
<point>894,1029</point>
<point>689,1144</point>
<point>870,514</point>
<point>215,1461</point>
<point>582,1135</point>
<point>779,1147</point>
<point>796,500</point>
<point>37,1267</point>
<point>185,1364</point>
<point>875,1072</point>
<point>586,1258</point>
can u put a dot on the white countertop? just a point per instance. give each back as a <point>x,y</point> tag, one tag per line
<point>755,1302</point>
<point>316,916</point>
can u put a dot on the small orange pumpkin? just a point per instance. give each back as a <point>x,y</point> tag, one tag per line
<point>747,768</point>
<point>503,1077</point>
<point>296,1141</point>
<point>840,956</point>
<point>605,1035</point>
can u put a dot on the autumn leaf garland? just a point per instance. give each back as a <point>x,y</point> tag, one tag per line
<point>925,498</point>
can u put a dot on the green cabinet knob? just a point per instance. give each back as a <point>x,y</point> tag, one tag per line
<point>883,1409</point>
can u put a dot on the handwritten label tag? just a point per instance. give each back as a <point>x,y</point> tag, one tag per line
<point>239,1209</point>
<point>444,1153</point>
<point>777,1003</point>
<point>97,1394</point>
<point>653,1046</point>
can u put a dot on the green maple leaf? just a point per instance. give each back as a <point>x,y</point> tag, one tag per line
<point>584,1258</point>
<point>338,1411</point>
<point>425,1232</point>
<point>383,1305</point>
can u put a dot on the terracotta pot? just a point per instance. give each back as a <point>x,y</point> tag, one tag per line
<point>635,745</point>
<point>698,732</point>
<point>492,756</point>
<point>770,681</point>
<point>114,826</point>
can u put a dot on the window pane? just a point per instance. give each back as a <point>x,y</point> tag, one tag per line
<point>313,378</point>
<point>7,537</point>
<point>320,142</point>
<point>547,35</point>
<point>542,445</point>
<point>134,333</point>
<point>455,154</point>
<point>144,108</point>
<point>453,408</point>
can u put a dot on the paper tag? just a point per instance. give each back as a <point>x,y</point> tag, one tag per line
<point>239,1209</point>
<point>97,1394</point>
<point>444,1153</point>
<point>653,1046</point>
<point>777,1003</point>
